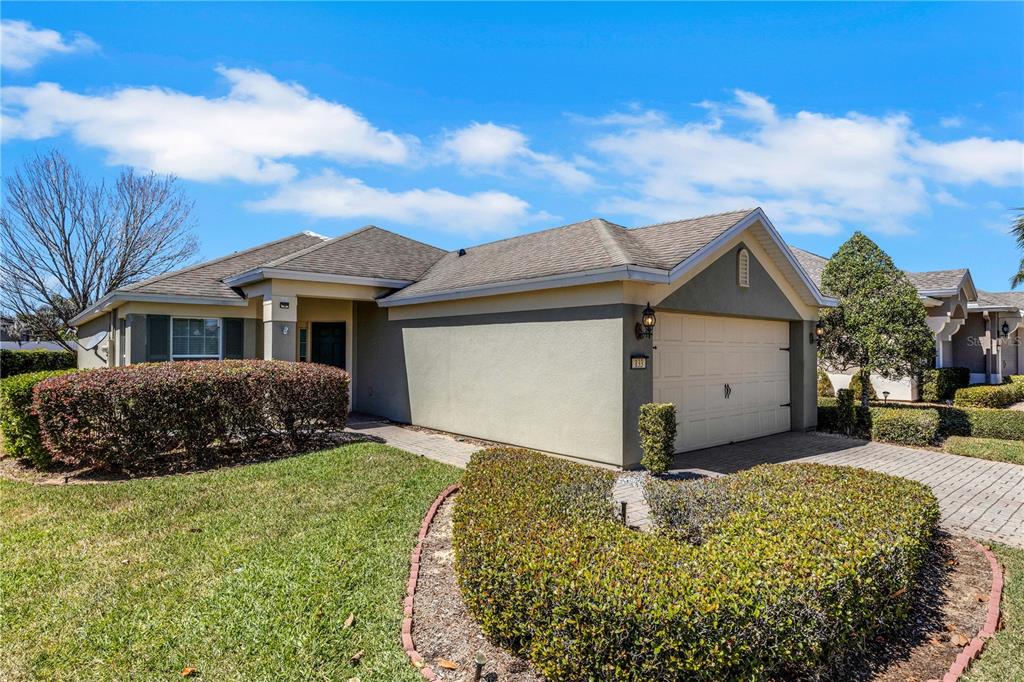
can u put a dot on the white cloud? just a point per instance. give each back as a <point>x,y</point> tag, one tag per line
<point>22,46</point>
<point>331,195</point>
<point>492,148</point>
<point>975,159</point>
<point>951,121</point>
<point>948,199</point>
<point>246,135</point>
<point>812,172</point>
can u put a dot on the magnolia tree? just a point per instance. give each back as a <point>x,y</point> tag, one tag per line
<point>879,325</point>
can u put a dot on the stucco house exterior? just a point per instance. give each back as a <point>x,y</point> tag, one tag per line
<point>532,341</point>
<point>973,329</point>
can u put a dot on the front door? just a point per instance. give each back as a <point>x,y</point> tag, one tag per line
<point>328,343</point>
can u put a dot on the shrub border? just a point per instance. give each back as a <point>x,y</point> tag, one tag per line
<point>988,629</point>
<point>410,589</point>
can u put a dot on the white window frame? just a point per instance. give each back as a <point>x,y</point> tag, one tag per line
<point>220,340</point>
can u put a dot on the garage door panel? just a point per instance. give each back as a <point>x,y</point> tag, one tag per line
<point>692,373</point>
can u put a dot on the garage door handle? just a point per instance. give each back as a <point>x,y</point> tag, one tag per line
<point>728,391</point>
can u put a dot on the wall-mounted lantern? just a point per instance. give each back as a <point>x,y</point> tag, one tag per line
<point>645,327</point>
<point>819,331</point>
<point>1005,329</point>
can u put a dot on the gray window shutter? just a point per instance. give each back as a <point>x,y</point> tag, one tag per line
<point>158,338</point>
<point>234,335</point>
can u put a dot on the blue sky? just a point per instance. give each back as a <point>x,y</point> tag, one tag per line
<point>457,124</point>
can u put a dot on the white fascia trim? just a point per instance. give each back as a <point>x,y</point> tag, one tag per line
<point>979,307</point>
<point>929,302</point>
<point>278,273</point>
<point>616,273</point>
<point>116,298</point>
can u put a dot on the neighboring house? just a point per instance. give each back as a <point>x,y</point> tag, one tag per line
<point>973,329</point>
<point>10,339</point>
<point>531,341</point>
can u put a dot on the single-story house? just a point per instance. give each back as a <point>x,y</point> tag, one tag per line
<point>973,329</point>
<point>534,341</point>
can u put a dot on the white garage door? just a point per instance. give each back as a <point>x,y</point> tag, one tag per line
<point>728,377</point>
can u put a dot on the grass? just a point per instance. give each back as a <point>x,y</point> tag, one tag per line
<point>986,448</point>
<point>1003,656</point>
<point>246,573</point>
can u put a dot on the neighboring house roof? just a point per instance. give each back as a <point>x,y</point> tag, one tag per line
<point>31,345</point>
<point>933,283</point>
<point>367,253</point>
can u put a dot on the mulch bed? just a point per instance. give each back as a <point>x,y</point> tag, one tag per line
<point>949,610</point>
<point>170,464</point>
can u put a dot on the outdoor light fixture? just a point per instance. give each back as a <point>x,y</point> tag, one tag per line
<point>645,327</point>
<point>885,397</point>
<point>1005,328</point>
<point>819,331</point>
<point>284,329</point>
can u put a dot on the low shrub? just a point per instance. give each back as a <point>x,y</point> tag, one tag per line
<point>14,362</point>
<point>810,565</point>
<point>18,423</point>
<point>905,427</point>
<point>114,417</point>
<point>986,448</point>
<point>939,385</point>
<point>857,386</point>
<point>953,421</point>
<point>997,396</point>
<point>657,427</point>
<point>825,387</point>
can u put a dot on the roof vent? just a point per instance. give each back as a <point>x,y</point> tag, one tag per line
<point>462,252</point>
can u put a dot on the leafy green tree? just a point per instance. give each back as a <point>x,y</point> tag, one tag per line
<point>879,325</point>
<point>1018,232</point>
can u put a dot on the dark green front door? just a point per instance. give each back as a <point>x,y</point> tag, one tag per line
<point>328,343</point>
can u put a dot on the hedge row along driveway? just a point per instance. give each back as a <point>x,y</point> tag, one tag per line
<point>246,573</point>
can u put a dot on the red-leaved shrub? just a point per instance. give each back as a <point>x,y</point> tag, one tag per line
<point>113,417</point>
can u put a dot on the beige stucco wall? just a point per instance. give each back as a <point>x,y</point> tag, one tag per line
<point>555,385</point>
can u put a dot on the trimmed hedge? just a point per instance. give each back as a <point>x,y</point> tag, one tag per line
<point>905,427</point>
<point>808,567</point>
<point>858,389</point>
<point>657,427</point>
<point>114,417</point>
<point>18,423</point>
<point>952,421</point>
<point>825,387</point>
<point>939,385</point>
<point>14,362</point>
<point>997,396</point>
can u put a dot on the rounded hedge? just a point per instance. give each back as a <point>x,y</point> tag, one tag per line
<point>18,423</point>
<point>14,362</point>
<point>121,415</point>
<point>797,566</point>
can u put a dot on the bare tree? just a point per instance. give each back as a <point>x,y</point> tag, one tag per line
<point>66,242</point>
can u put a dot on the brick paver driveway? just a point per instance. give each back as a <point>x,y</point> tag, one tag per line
<point>980,498</point>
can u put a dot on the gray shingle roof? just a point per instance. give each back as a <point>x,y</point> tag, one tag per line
<point>937,279</point>
<point>589,245</point>
<point>366,252</point>
<point>204,279</point>
<point>994,299</point>
<point>923,281</point>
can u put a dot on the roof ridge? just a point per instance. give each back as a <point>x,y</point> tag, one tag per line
<point>611,245</point>
<point>744,211</point>
<point>196,266</point>
<point>531,234</point>
<point>284,259</point>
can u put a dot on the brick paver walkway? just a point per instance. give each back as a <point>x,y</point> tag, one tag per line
<point>977,497</point>
<point>433,445</point>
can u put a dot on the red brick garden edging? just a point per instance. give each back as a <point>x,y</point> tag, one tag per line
<point>410,588</point>
<point>995,595</point>
<point>956,671</point>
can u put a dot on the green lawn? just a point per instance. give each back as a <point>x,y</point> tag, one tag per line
<point>986,448</point>
<point>245,573</point>
<point>1003,657</point>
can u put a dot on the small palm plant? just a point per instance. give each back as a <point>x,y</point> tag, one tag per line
<point>1018,232</point>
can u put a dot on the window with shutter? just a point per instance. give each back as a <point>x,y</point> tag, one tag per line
<point>158,338</point>
<point>234,331</point>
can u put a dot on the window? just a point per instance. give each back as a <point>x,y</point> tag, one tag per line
<point>195,338</point>
<point>302,344</point>
<point>743,268</point>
